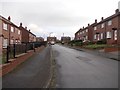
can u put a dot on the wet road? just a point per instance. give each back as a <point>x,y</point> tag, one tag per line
<point>34,73</point>
<point>78,69</point>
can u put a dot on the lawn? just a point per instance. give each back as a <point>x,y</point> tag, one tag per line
<point>96,46</point>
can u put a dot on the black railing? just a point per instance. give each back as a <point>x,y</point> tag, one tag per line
<point>13,50</point>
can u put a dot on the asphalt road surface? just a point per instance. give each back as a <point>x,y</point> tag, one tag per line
<point>34,73</point>
<point>78,69</point>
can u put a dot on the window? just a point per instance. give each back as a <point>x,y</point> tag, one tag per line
<point>86,30</point>
<point>102,25</point>
<point>115,34</point>
<point>109,35</point>
<point>95,28</point>
<point>83,32</point>
<point>109,23</point>
<point>95,36</point>
<point>19,32</point>
<point>5,43</point>
<point>98,38</point>
<point>86,37</point>
<point>12,41</point>
<point>78,33</point>
<point>5,26</point>
<point>16,41</point>
<point>101,35</point>
<point>12,29</point>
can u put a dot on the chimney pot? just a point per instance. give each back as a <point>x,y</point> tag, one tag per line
<point>117,11</point>
<point>95,20</point>
<point>26,28</point>
<point>20,24</point>
<point>102,18</point>
<point>83,27</point>
<point>88,24</point>
<point>9,18</point>
<point>29,30</point>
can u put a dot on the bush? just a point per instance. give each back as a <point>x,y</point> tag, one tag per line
<point>103,41</point>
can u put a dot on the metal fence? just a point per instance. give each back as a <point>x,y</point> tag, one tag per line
<point>16,49</point>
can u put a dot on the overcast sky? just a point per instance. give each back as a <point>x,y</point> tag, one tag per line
<point>57,16</point>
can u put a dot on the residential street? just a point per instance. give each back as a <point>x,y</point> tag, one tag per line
<point>78,69</point>
<point>34,73</point>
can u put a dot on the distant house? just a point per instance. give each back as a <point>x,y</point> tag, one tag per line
<point>65,39</point>
<point>39,39</point>
<point>50,39</point>
<point>32,37</point>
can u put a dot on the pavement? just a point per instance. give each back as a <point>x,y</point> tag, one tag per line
<point>80,69</point>
<point>111,55</point>
<point>33,73</point>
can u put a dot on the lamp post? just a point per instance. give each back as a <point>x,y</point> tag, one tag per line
<point>50,34</point>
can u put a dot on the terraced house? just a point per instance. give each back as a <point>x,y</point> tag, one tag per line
<point>26,36</point>
<point>9,33</point>
<point>85,34</point>
<point>32,37</point>
<point>107,29</point>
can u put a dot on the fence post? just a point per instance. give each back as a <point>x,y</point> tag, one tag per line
<point>26,48</point>
<point>7,59</point>
<point>13,50</point>
<point>34,47</point>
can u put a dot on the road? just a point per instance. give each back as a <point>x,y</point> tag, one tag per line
<point>34,73</point>
<point>78,69</point>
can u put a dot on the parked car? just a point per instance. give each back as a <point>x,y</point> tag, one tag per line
<point>52,42</point>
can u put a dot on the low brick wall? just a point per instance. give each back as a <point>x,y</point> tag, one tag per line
<point>112,49</point>
<point>6,68</point>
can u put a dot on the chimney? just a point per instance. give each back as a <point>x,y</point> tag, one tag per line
<point>26,28</point>
<point>83,27</point>
<point>88,24</point>
<point>9,18</point>
<point>102,18</point>
<point>20,24</point>
<point>29,30</point>
<point>116,11</point>
<point>95,20</point>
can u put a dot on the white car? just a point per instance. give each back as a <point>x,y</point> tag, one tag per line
<point>52,42</point>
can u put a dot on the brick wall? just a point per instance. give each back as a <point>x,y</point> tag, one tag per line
<point>6,68</point>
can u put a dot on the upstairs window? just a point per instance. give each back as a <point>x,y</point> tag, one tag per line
<point>102,25</point>
<point>109,23</point>
<point>12,29</point>
<point>19,32</point>
<point>95,28</point>
<point>5,26</point>
<point>86,30</point>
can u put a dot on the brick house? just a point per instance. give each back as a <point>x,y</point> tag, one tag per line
<point>85,34</point>
<point>9,32</point>
<point>32,37</point>
<point>65,39</point>
<point>25,34</point>
<point>107,29</point>
<point>49,39</point>
<point>39,39</point>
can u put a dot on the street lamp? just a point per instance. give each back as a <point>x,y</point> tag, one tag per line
<point>50,34</point>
